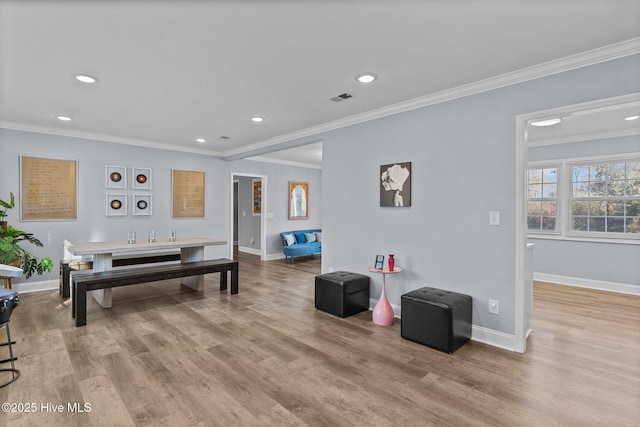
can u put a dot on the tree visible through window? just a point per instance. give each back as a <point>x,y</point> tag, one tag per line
<point>542,209</point>
<point>606,198</point>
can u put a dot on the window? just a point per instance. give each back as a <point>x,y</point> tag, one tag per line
<point>542,206</point>
<point>606,198</point>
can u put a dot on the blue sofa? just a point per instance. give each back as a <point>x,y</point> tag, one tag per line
<point>301,242</point>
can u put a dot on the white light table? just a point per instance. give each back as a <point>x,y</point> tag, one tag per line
<point>191,249</point>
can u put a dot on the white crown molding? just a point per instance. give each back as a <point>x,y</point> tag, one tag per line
<point>283,162</point>
<point>591,57</point>
<point>104,137</point>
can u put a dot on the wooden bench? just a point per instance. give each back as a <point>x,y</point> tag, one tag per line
<point>85,282</point>
<point>67,266</point>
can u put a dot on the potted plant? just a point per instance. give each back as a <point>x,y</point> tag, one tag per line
<point>4,207</point>
<point>12,253</point>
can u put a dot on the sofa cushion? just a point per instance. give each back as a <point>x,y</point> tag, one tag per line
<point>289,239</point>
<point>310,237</point>
<point>299,237</point>
<point>319,237</point>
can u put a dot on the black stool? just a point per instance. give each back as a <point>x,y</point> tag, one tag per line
<point>8,301</point>
<point>342,293</point>
<point>436,318</point>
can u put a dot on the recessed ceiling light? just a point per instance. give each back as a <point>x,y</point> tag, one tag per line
<point>632,118</point>
<point>547,122</point>
<point>64,118</point>
<point>201,140</point>
<point>86,79</point>
<point>257,119</point>
<point>366,77</point>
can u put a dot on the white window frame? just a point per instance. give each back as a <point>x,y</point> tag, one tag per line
<point>597,234</point>
<point>565,194</point>
<point>558,223</point>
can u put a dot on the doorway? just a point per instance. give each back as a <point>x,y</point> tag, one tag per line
<point>248,214</point>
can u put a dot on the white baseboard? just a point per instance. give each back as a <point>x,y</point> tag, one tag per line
<point>273,257</point>
<point>43,285</point>
<point>579,282</point>
<point>493,337</point>
<point>252,251</point>
<point>478,333</point>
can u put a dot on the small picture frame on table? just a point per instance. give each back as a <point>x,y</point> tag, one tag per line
<point>115,176</point>
<point>379,262</point>
<point>141,178</point>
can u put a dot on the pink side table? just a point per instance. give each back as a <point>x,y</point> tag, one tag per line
<point>383,312</point>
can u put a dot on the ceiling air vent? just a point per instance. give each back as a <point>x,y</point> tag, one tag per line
<point>341,97</point>
<point>223,137</point>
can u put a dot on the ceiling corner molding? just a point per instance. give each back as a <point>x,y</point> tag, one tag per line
<point>572,62</point>
<point>103,137</point>
<point>283,162</point>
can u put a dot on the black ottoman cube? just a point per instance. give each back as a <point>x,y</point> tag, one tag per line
<point>342,293</point>
<point>436,318</point>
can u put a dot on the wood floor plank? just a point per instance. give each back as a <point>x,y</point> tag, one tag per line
<point>167,356</point>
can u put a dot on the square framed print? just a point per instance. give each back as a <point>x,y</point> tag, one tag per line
<point>116,204</point>
<point>115,176</point>
<point>141,178</point>
<point>48,189</point>
<point>142,204</point>
<point>395,185</point>
<point>187,193</point>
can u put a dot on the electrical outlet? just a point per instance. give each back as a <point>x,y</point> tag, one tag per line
<point>494,306</point>
<point>253,240</point>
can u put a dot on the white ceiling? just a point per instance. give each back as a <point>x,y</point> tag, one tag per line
<point>171,71</point>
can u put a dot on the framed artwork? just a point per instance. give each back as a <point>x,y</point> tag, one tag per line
<point>298,200</point>
<point>379,262</point>
<point>187,193</point>
<point>142,204</point>
<point>395,185</point>
<point>257,196</point>
<point>116,204</point>
<point>141,178</point>
<point>115,176</point>
<point>48,189</point>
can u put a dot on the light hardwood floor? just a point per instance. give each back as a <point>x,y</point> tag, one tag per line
<point>165,355</point>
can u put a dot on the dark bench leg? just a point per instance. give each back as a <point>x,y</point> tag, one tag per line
<point>74,298</point>
<point>223,280</point>
<point>64,279</point>
<point>234,278</point>
<point>80,302</point>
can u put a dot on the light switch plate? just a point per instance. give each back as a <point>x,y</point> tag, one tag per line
<point>494,218</point>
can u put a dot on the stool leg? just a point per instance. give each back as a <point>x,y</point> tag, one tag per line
<point>11,358</point>
<point>15,374</point>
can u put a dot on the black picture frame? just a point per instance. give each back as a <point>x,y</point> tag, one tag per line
<point>395,185</point>
<point>379,262</point>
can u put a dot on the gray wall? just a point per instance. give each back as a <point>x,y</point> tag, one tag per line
<point>92,223</point>
<point>464,165</point>
<point>602,261</point>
